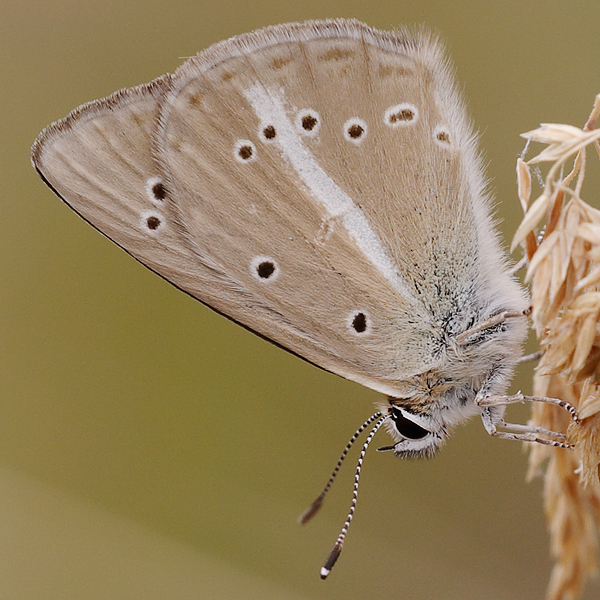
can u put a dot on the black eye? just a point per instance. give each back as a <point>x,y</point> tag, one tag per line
<point>409,429</point>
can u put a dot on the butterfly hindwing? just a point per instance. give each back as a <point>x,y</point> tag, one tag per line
<point>98,160</point>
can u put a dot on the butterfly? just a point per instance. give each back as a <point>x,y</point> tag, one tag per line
<point>318,183</point>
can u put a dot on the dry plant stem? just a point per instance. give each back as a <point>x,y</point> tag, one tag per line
<point>564,271</point>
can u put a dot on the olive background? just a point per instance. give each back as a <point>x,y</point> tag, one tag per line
<point>150,448</point>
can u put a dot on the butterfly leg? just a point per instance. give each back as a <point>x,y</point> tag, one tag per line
<point>522,433</point>
<point>519,397</point>
<point>517,267</point>
<point>493,420</point>
<point>530,357</point>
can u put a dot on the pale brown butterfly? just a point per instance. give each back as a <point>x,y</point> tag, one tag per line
<point>318,183</point>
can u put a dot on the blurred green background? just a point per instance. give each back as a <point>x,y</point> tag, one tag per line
<point>150,448</point>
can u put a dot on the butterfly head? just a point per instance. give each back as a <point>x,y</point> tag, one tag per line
<point>421,422</point>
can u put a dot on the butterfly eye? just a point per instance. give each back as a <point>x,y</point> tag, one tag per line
<point>401,114</point>
<point>406,427</point>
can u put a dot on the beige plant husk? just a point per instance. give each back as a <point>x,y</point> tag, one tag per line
<point>564,273</point>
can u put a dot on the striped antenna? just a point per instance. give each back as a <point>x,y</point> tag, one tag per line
<point>313,509</point>
<point>339,544</point>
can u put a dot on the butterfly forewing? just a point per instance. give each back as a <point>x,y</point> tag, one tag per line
<point>260,163</point>
<point>396,153</point>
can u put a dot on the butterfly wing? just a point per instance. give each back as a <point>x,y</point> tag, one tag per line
<point>243,175</point>
<point>98,160</point>
<point>315,149</point>
<point>286,178</point>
